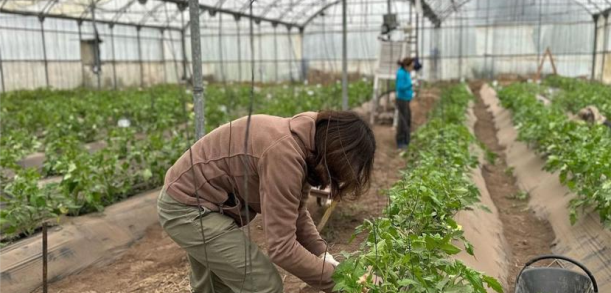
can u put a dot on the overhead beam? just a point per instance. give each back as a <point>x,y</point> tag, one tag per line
<point>429,13</point>
<point>454,9</point>
<point>236,13</point>
<point>291,8</point>
<point>150,13</point>
<point>59,16</point>
<point>122,10</point>
<point>269,7</point>
<point>319,11</point>
<point>605,12</point>
<point>48,7</point>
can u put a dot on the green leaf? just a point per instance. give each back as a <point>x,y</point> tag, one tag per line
<point>493,283</point>
<point>408,282</point>
<point>450,249</point>
<point>469,248</point>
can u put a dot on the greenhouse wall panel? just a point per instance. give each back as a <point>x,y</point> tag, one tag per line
<point>23,74</point>
<point>64,74</point>
<point>607,71</point>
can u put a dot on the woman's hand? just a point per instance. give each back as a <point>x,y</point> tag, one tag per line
<point>327,257</point>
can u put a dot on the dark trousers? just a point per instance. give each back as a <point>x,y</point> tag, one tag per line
<point>404,123</point>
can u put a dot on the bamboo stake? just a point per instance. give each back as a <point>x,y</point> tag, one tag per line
<point>326,216</point>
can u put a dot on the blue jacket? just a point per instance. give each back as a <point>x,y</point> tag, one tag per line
<point>403,85</point>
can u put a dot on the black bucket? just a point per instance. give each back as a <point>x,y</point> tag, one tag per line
<point>554,280</point>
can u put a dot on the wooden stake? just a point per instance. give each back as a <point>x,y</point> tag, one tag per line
<point>547,53</point>
<point>326,216</point>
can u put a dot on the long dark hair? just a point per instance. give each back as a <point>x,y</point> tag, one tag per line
<point>343,154</point>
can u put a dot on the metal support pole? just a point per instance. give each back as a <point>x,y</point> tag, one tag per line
<point>276,53</point>
<point>486,47</point>
<point>291,55</point>
<point>44,50</point>
<point>221,59</point>
<point>2,74</point>
<point>237,22</point>
<point>421,37</point>
<point>80,41</point>
<point>261,62</point>
<point>183,44</point>
<point>97,64</point>
<point>303,73</point>
<point>344,55</point>
<point>595,16</point>
<point>605,46</point>
<point>460,44</point>
<point>140,56</point>
<point>539,49</point>
<point>196,53</point>
<point>114,60</point>
<point>163,61</point>
<point>417,34</point>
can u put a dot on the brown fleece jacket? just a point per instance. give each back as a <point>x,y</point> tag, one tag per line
<point>271,174</point>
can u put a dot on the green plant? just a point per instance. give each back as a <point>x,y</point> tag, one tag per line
<point>26,204</point>
<point>410,246</point>
<point>577,94</point>
<point>135,158</point>
<point>581,153</point>
<point>520,195</point>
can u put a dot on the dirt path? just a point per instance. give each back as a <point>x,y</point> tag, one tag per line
<point>526,235</point>
<point>157,264</point>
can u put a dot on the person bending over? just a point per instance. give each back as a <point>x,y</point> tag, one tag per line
<point>591,115</point>
<point>217,186</point>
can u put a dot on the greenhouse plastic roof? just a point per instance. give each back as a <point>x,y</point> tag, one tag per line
<point>167,13</point>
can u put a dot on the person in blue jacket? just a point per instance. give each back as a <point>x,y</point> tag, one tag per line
<point>405,93</point>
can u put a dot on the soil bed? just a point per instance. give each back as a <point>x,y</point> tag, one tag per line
<point>157,264</point>
<point>527,236</point>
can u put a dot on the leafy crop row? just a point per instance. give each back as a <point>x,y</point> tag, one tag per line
<point>577,94</point>
<point>581,153</point>
<point>130,163</point>
<point>410,246</point>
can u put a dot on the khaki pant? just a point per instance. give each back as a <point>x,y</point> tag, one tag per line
<point>225,250</point>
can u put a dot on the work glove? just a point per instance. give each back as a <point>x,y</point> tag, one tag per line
<point>327,257</point>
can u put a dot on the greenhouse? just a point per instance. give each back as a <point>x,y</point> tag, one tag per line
<point>305,146</point>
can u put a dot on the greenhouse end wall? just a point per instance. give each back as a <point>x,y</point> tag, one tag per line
<point>460,48</point>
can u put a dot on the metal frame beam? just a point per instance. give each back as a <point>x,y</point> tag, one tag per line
<point>269,8</point>
<point>429,13</point>
<point>239,14</point>
<point>2,74</point>
<point>577,2</point>
<point>47,8</point>
<point>322,9</point>
<point>122,10</point>
<point>150,13</point>
<point>59,16</point>
<point>44,50</point>
<point>291,8</point>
